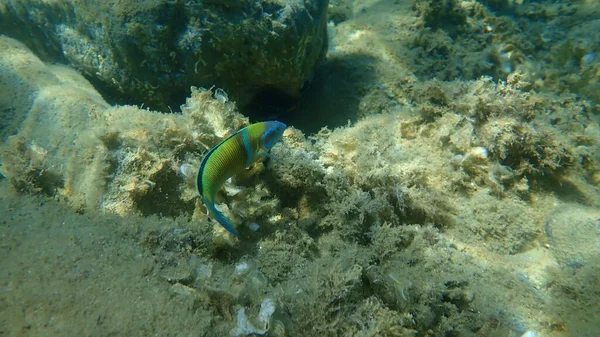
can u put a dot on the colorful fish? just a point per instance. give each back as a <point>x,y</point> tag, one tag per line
<point>232,156</point>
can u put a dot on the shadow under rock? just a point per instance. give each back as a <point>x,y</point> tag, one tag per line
<point>334,96</point>
<point>564,189</point>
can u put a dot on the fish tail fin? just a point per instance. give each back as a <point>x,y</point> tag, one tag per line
<point>221,219</point>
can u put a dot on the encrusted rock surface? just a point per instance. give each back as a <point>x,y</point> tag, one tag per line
<point>151,51</point>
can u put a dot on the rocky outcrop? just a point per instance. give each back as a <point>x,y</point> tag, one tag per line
<point>151,52</point>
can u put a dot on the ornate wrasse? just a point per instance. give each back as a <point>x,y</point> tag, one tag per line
<point>231,156</point>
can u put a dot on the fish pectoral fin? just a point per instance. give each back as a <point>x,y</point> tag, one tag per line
<point>265,154</point>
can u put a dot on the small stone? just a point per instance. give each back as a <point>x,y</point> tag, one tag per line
<point>180,289</point>
<point>529,333</point>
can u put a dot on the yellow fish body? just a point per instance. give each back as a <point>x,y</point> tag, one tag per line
<point>231,156</point>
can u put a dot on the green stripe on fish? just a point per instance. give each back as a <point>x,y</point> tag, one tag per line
<point>232,156</point>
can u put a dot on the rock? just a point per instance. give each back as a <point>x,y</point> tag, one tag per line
<point>182,290</point>
<point>66,142</point>
<point>570,225</point>
<point>44,101</point>
<point>151,52</point>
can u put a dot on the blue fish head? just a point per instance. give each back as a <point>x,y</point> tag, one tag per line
<point>272,134</point>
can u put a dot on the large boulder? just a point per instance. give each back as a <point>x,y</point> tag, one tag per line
<point>151,52</point>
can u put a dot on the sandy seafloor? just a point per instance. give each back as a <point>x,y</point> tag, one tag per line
<point>455,193</point>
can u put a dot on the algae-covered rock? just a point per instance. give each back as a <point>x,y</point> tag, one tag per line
<point>53,99</point>
<point>152,51</point>
<point>72,145</point>
<point>451,40</point>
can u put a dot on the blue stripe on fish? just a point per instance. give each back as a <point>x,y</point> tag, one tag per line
<point>247,146</point>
